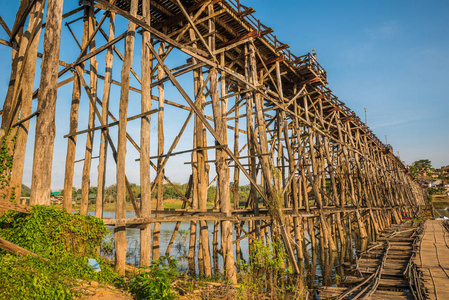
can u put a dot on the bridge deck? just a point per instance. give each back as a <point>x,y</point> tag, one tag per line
<point>383,267</point>
<point>433,259</point>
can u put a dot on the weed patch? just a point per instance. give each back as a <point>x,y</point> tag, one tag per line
<point>155,281</point>
<point>66,240</point>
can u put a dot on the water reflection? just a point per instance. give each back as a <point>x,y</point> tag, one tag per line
<point>443,212</point>
<point>320,265</point>
<point>180,245</point>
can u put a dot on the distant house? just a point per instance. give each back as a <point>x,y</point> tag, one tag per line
<point>433,183</point>
<point>56,198</point>
<point>445,171</point>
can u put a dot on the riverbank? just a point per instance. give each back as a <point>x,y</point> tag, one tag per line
<point>440,201</point>
<point>167,204</point>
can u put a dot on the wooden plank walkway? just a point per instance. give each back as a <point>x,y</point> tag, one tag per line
<point>433,259</point>
<point>383,269</point>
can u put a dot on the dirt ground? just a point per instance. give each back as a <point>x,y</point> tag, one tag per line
<point>211,290</point>
<point>94,291</point>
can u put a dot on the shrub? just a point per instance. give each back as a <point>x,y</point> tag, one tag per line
<point>65,240</point>
<point>155,282</point>
<point>50,232</point>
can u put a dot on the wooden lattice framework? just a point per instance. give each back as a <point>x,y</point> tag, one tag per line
<point>264,115</point>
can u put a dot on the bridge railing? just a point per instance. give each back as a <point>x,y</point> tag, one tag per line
<point>311,62</point>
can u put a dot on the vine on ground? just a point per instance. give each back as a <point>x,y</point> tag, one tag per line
<point>65,240</point>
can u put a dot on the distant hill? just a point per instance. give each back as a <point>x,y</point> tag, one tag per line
<point>26,191</point>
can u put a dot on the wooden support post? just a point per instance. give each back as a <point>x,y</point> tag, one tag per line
<point>294,201</point>
<point>223,182</point>
<point>252,199</point>
<point>45,122</point>
<point>311,231</point>
<point>145,129</point>
<point>85,183</point>
<point>160,151</point>
<point>265,164</point>
<point>178,223</point>
<point>74,113</point>
<point>196,155</point>
<point>193,231</point>
<point>9,105</point>
<point>71,145</point>
<point>120,232</point>
<point>30,42</point>
<point>235,186</point>
<point>201,170</point>
<point>104,120</point>
<point>280,129</point>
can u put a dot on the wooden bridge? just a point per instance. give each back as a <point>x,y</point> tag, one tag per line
<point>227,98</point>
<point>432,262</point>
<point>385,269</point>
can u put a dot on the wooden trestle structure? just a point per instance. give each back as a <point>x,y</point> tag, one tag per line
<point>260,114</point>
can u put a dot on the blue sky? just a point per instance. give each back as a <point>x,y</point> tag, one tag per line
<point>388,56</point>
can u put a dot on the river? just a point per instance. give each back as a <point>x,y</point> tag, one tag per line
<point>320,267</point>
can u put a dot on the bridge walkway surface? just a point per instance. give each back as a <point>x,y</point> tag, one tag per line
<point>384,270</point>
<point>433,259</point>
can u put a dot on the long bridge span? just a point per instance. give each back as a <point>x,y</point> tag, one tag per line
<point>195,87</point>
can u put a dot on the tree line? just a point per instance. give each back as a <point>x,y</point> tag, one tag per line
<point>169,192</point>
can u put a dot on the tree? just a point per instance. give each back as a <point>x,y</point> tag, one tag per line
<point>73,191</point>
<point>419,167</point>
<point>423,164</point>
<point>111,193</point>
<point>25,192</point>
<point>93,190</point>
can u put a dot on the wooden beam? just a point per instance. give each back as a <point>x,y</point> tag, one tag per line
<point>270,61</point>
<point>198,33</point>
<point>5,27</point>
<point>142,115</point>
<point>14,249</point>
<point>251,34</point>
<point>203,119</point>
<point>14,206</point>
